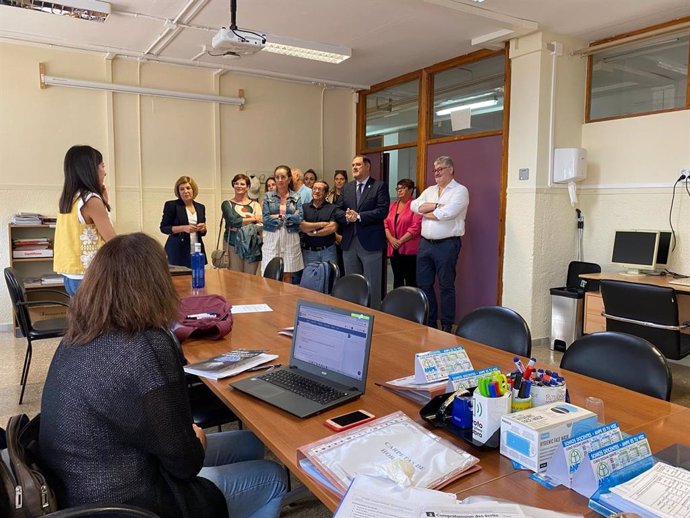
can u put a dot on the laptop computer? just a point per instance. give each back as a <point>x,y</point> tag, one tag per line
<point>328,361</point>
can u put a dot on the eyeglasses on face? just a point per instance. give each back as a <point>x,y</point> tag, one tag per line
<point>439,169</point>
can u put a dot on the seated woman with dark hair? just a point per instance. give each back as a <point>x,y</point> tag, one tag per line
<point>116,426</point>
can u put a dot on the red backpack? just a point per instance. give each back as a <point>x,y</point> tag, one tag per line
<point>203,316</point>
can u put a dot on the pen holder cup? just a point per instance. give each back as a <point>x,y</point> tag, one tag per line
<point>487,413</point>
<point>544,395</point>
<point>521,403</point>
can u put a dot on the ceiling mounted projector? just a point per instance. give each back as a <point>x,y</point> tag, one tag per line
<point>237,41</point>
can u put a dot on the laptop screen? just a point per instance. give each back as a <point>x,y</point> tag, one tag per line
<point>333,339</point>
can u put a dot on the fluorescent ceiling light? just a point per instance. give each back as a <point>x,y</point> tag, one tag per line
<point>91,10</point>
<point>473,106</point>
<point>307,49</point>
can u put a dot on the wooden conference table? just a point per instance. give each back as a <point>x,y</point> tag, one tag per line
<point>395,341</point>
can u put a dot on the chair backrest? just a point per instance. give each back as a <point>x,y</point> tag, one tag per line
<point>407,302</point>
<point>354,288</point>
<point>18,297</point>
<point>624,360</point>
<point>498,327</point>
<point>644,303</point>
<point>275,269</point>
<point>577,268</point>
<point>335,275</point>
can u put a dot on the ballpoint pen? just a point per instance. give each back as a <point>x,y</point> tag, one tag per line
<point>263,367</point>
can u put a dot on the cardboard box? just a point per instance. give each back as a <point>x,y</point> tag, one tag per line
<point>531,437</point>
<point>47,312</point>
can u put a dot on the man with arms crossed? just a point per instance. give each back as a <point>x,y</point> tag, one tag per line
<point>443,208</point>
<point>318,227</point>
<point>365,204</point>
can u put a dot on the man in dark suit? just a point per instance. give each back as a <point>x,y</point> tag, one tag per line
<point>365,203</point>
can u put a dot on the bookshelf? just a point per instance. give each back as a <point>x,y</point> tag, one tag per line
<point>31,270</point>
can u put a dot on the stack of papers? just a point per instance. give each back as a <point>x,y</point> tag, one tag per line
<point>229,364</point>
<point>374,496</point>
<point>662,491</point>
<point>26,218</point>
<point>420,392</point>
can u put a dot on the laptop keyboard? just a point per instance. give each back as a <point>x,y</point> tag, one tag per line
<point>302,386</point>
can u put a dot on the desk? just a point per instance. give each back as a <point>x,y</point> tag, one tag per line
<point>395,341</point>
<point>594,305</point>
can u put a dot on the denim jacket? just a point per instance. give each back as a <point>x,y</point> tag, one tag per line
<point>293,212</point>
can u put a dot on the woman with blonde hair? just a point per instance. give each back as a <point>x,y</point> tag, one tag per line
<point>282,214</point>
<point>242,215</point>
<point>184,220</point>
<point>124,433</point>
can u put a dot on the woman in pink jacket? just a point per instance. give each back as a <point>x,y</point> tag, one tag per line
<point>403,229</point>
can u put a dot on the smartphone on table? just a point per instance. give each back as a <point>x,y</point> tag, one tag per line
<point>349,420</point>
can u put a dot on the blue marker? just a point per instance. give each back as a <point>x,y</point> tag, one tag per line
<point>519,365</point>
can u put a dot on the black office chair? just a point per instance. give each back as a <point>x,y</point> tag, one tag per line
<point>39,330</point>
<point>208,411</point>
<point>624,360</point>
<point>275,269</point>
<point>498,327</point>
<point>353,287</point>
<point>647,311</point>
<point>335,275</point>
<point>408,303</point>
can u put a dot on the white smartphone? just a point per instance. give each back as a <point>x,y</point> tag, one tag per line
<point>349,420</point>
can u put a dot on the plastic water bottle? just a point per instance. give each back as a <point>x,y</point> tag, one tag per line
<point>198,260</point>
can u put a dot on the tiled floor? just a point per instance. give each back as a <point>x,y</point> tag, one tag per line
<point>13,350</point>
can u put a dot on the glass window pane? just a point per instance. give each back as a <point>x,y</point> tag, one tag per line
<point>469,98</point>
<point>402,163</point>
<point>645,77</point>
<point>392,115</point>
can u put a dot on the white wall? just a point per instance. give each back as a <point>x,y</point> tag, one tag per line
<point>149,142</point>
<point>632,164</point>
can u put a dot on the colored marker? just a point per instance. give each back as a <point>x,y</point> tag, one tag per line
<point>519,365</point>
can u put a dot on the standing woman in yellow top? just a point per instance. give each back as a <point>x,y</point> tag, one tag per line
<point>83,224</point>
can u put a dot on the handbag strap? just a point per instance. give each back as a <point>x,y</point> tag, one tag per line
<point>220,231</point>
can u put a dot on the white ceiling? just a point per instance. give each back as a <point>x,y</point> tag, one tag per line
<point>387,37</point>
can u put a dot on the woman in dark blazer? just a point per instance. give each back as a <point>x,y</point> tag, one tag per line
<point>184,220</point>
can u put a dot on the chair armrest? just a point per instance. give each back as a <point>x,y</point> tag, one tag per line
<point>48,290</point>
<point>91,510</point>
<point>645,324</point>
<point>30,303</point>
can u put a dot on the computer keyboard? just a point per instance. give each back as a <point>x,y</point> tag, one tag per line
<point>303,386</point>
<point>681,282</point>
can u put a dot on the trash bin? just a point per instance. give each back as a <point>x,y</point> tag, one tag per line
<point>567,305</point>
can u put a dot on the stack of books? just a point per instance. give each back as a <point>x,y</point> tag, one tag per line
<point>26,218</point>
<point>32,247</point>
<point>52,279</point>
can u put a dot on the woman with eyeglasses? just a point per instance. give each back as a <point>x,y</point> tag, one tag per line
<point>403,230</point>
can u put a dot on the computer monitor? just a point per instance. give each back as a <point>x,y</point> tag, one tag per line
<point>664,250</point>
<point>635,250</point>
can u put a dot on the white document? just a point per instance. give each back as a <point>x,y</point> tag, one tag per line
<point>662,491</point>
<point>250,308</point>
<point>373,496</point>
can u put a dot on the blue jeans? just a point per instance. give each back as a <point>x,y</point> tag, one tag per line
<point>439,260</point>
<point>253,487</point>
<point>71,285</point>
<point>314,256</point>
